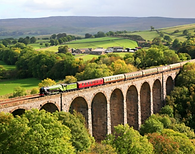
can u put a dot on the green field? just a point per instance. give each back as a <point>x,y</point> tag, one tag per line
<point>150,35</point>
<point>103,42</point>
<point>7,87</point>
<point>7,67</point>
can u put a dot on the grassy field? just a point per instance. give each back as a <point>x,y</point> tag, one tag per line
<point>7,67</point>
<point>7,87</point>
<point>150,35</point>
<point>103,42</point>
<point>86,57</point>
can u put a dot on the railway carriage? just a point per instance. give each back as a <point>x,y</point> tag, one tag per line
<point>114,78</point>
<point>133,75</point>
<point>89,83</point>
<point>163,68</point>
<point>149,71</point>
<point>175,66</point>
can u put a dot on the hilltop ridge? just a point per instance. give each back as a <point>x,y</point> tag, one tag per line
<point>84,24</point>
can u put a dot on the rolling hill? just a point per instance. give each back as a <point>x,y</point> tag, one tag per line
<point>80,25</point>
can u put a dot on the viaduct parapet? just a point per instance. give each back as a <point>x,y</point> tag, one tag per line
<point>126,102</point>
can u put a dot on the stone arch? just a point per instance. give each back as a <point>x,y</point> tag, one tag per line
<point>169,85</point>
<point>99,116</point>
<point>49,107</point>
<point>157,100</point>
<point>116,108</point>
<point>79,104</point>
<point>132,106</point>
<point>18,111</point>
<point>145,101</point>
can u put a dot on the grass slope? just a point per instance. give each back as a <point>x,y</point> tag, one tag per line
<point>7,87</point>
<point>7,67</point>
<point>103,42</point>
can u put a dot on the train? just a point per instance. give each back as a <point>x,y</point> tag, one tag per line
<point>59,88</point>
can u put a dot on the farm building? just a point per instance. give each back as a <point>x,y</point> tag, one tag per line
<point>98,51</point>
<point>117,49</point>
<point>80,51</point>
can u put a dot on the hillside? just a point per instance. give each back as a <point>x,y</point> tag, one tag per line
<point>83,24</point>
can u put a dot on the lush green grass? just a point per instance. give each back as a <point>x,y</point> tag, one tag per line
<point>7,67</point>
<point>147,35</point>
<point>86,57</point>
<point>7,87</point>
<point>103,42</point>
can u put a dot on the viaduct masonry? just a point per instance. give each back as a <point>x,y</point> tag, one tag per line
<point>126,102</point>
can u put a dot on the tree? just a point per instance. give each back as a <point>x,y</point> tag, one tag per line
<point>32,39</point>
<point>185,145</point>
<point>119,67</point>
<point>93,70</point>
<point>87,35</point>
<point>157,41</point>
<point>35,132</point>
<point>70,79</point>
<point>185,32</point>
<point>34,91</point>
<point>99,149</point>
<point>167,110</point>
<point>152,28</point>
<point>155,123</point>
<point>47,82</point>
<point>63,49</point>
<point>80,137</point>
<point>127,140</point>
<point>163,144</point>
<point>19,91</point>
<point>176,44</point>
<point>168,38</point>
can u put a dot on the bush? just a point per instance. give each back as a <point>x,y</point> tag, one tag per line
<point>34,91</point>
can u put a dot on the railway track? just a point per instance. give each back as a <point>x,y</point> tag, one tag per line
<point>18,99</point>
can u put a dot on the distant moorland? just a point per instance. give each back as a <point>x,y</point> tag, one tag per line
<point>83,24</point>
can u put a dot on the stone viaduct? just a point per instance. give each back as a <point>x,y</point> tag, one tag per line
<point>126,102</point>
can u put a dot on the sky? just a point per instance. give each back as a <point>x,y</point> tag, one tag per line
<point>126,8</point>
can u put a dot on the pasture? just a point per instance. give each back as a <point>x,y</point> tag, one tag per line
<point>7,87</point>
<point>7,67</point>
<point>103,42</point>
<point>150,35</point>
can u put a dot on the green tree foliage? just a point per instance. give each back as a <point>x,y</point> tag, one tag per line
<point>157,41</point>
<point>47,82</point>
<point>34,91</point>
<point>184,56</point>
<point>70,79</point>
<point>80,139</point>
<point>189,49</point>
<point>19,91</point>
<point>182,128</point>
<point>163,144</point>
<point>185,145</point>
<point>93,70</point>
<point>63,49</point>
<point>35,132</point>
<point>155,123</point>
<point>33,39</point>
<point>187,75</point>
<point>182,98</point>
<point>5,118</point>
<point>120,67</point>
<point>176,44</point>
<point>127,140</point>
<point>99,149</point>
<point>185,32</point>
<point>155,56</point>
<point>167,110</point>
